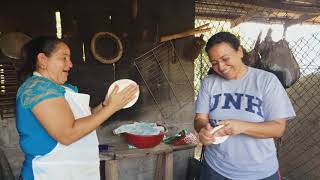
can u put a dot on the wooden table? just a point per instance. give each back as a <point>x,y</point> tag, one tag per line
<point>164,152</point>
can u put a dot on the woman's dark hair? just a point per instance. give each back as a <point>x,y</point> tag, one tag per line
<point>221,37</point>
<point>228,38</point>
<point>30,51</point>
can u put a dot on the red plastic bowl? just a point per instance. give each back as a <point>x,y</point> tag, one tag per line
<point>144,141</point>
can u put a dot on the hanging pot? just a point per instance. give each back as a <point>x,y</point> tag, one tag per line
<point>192,51</point>
<point>11,44</point>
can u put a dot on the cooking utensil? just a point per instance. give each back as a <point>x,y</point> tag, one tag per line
<point>192,51</point>
<point>12,42</point>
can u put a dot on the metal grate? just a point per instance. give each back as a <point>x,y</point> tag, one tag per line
<point>300,148</point>
<point>8,88</point>
<point>165,78</point>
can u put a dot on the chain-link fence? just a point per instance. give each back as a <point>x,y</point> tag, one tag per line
<point>299,152</point>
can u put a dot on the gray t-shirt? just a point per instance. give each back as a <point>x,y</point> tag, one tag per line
<point>256,97</point>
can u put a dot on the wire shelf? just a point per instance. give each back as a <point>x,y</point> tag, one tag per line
<point>165,78</point>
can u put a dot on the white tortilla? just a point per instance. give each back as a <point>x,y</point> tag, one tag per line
<point>218,139</point>
<point>123,83</point>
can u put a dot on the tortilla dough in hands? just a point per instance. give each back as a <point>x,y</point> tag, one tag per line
<point>123,83</point>
<point>218,139</point>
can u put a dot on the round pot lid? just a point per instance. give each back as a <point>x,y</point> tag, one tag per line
<point>12,43</point>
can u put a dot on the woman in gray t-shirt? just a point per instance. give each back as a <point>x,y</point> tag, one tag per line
<point>253,107</point>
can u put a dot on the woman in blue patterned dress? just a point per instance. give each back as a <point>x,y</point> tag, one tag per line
<point>54,121</point>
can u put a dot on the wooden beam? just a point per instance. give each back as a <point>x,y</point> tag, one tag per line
<point>302,2</point>
<point>276,20</point>
<point>218,17</point>
<point>119,152</point>
<point>279,6</point>
<point>245,17</point>
<point>301,19</point>
<point>254,8</point>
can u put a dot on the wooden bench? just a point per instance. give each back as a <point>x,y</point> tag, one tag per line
<point>164,152</point>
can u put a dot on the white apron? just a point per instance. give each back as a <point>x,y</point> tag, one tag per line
<point>77,161</point>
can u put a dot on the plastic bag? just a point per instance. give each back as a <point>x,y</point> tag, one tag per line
<point>182,138</point>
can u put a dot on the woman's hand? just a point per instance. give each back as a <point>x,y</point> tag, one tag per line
<point>117,100</point>
<point>205,135</point>
<point>268,129</point>
<point>231,127</point>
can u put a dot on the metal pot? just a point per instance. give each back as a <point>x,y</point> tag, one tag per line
<point>11,44</point>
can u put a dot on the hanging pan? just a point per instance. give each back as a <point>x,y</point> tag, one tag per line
<point>11,44</point>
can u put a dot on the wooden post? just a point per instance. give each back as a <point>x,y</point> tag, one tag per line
<point>111,170</point>
<point>159,167</point>
<point>168,167</point>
